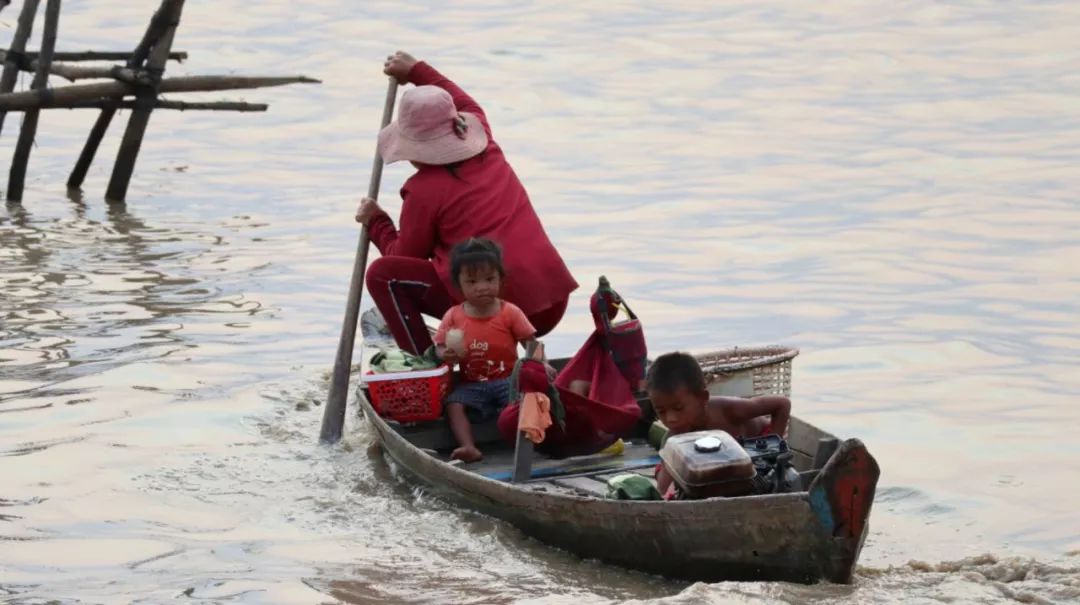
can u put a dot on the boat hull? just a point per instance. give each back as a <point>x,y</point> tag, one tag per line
<point>791,537</point>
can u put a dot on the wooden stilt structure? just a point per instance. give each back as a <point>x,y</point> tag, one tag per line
<point>99,55</point>
<point>68,95</point>
<point>93,141</point>
<point>176,105</point>
<point>135,85</point>
<point>17,174</point>
<point>13,58</point>
<point>162,29</point>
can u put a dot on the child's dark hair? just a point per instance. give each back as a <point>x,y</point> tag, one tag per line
<point>475,252</point>
<point>673,370</point>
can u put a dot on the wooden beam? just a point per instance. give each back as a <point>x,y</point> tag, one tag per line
<point>19,161</point>
<point>68,95</point>
<point>102,55</point>
<point>73,73</point>
<point>173,105</point>
<point>18,45</point>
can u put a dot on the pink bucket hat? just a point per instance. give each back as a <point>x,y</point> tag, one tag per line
<point>430,130</point>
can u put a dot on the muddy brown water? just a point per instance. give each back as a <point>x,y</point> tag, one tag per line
<point>890,187</point>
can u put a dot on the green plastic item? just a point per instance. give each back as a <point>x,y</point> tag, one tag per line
<point>658,434</point>
<point>631,486</point>
<point>396,360</point>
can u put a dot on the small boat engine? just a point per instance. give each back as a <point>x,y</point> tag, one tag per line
<point>709,464</point>
<point>772,461</point>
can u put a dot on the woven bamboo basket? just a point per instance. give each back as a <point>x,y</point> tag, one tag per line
<point>749,371</point>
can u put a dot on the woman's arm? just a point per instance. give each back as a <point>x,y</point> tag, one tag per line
<point>415,239</point>
<point>405,68</point>
<point>423,74</point>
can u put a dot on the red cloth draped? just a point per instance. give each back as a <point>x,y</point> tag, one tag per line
<point>591,423</point>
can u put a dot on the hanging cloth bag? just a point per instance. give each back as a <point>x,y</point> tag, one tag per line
<point>624,340</point>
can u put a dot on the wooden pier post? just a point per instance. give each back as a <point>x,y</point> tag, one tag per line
<point>144,102</point>
<point>154,31</point>
<point>17,174</point>
<point>89,150</point>
<point>167,15</point>
<point>18,46</point>
<point>141,77</point>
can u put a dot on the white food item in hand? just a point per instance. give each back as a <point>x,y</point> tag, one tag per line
<point>455,340</point>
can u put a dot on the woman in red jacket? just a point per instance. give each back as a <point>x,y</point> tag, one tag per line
<point>463,188</point>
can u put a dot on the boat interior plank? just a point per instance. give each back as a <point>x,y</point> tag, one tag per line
<point>803,437</point>
<point>498,462</point>
<point>585,486</point>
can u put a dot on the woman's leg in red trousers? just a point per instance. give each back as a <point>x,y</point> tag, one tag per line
<point>404,289</point>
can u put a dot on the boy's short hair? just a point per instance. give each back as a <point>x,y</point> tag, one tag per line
<point>475,252</point>
<point>673,370</point>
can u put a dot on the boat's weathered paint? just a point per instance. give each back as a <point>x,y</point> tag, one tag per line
<point>768,537</point>
<point>842,497</point>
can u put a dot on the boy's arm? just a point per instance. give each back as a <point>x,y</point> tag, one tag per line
<point>739,411</point>
<point>663,479</point>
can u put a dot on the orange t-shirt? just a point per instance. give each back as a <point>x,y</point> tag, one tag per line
<point>490,342</point>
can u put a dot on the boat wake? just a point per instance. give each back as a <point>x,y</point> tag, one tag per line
<point>984,579</point>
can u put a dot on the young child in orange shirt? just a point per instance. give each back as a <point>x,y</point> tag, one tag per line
<point>481,335</point>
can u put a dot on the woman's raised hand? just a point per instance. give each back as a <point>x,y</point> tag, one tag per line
<point>398,66</point>
<point>368,208</point>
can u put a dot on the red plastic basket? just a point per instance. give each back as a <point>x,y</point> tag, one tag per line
<point>409,396</point>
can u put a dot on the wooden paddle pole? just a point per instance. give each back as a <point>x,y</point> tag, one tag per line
<point>334,414</point>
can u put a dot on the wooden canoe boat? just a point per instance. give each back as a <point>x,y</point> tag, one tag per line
<point>804,536</point>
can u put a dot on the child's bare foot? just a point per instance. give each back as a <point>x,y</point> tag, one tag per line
<point>467,454</point>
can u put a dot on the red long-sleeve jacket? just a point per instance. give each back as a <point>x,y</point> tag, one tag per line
<point>483,199</point>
